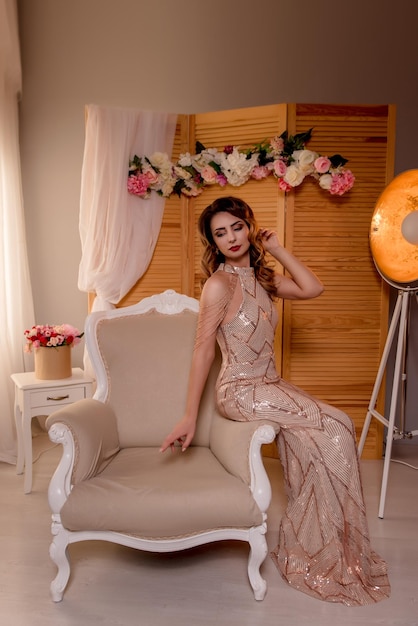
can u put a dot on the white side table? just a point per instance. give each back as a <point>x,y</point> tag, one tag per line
<point>42,397</point>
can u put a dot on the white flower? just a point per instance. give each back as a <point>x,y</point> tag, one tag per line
<point>201,160</point>
<point>210,154</point>
<point>166,189</point>
<point>294,176</point>
<point>185,159</point>
<point>305,160</point>
<point>162,163</point>
<point>325,181</point>
<point>181,173</point>
<point>236,167</point>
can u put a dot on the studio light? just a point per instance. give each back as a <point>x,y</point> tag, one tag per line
<point>394,247</point>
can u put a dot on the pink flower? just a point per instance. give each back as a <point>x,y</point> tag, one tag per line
<point>138,185</point>
<point>208,174</point>
<point>279,168</point>
<point>151,176</point>
<point>284,186</point>
<point>322,164</point>
<point>341,182</point>
<point>222,180</point>
<point>277,144</point>
<point>259,172</point>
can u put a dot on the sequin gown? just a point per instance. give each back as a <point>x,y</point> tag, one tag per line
<point>324,547</point>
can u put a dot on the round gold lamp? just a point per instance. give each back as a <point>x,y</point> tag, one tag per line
<point>394,230</point>
<point>394,247</point>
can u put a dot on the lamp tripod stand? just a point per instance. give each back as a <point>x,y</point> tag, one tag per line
<point>400,320</point>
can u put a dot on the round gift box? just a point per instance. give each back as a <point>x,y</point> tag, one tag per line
<point>53,363</point>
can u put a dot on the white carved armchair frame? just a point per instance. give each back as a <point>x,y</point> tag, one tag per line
<point>97,433</point>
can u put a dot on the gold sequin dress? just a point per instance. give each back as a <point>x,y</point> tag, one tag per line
<point>324,547</point>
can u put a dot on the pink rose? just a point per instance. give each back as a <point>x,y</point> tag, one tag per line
<point>279,168</point>
<point>322,164</point>
<point>151,176</point>
<point>208,174</point>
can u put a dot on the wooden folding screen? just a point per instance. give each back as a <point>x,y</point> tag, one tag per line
<point>330,346</point>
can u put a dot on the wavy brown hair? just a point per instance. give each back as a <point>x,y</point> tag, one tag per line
<point>212,257</point>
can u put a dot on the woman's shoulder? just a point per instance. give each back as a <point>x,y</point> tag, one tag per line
<point>219,285</point>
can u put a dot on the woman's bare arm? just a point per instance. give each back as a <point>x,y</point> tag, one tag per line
<point>302,284</point>
<point>212,305</point>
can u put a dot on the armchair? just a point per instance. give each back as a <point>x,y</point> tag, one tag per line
<point>113,484</point>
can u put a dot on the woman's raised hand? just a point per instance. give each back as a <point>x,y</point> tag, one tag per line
<point>269,239</point>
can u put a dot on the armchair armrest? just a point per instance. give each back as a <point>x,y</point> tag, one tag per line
<point>237,445</point>
<point>89,428</point>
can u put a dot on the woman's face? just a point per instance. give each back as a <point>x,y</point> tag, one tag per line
<point>230,234</point>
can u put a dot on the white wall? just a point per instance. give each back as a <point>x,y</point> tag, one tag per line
<point>187,56</point>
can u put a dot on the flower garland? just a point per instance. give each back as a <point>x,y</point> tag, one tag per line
<point>285,157</point>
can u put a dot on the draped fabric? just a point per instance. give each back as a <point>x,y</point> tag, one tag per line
<point>118,231</point>
<point>16,303</point>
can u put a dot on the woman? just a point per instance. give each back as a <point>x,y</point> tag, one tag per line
<point>324,548</point>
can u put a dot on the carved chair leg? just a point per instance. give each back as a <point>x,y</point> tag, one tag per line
<point>58,553</point>
<point>258,553</point>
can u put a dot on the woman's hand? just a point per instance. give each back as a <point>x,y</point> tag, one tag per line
<point>182,433</point>
<point>270,240</point>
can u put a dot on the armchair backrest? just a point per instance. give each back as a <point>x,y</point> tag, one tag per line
<point>142,355</point>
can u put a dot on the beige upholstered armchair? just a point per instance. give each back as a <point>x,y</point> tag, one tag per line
<point>112,483</point>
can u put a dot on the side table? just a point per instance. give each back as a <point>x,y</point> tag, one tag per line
<point>35,397</point>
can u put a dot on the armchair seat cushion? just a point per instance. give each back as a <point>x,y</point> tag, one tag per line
<point>183,493</point>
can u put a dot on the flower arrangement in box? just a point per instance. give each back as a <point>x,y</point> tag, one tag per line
<point>285,157</point>
<point>54,362</point>
<point>47,336</point>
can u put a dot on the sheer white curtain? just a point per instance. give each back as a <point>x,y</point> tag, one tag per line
<point>118,231</point>
<point>16,304</point>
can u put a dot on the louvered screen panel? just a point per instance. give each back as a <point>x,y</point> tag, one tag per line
<point>165,270</point>
<point>333,344</point>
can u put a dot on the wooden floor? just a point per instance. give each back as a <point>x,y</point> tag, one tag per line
<point>113,585</point>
